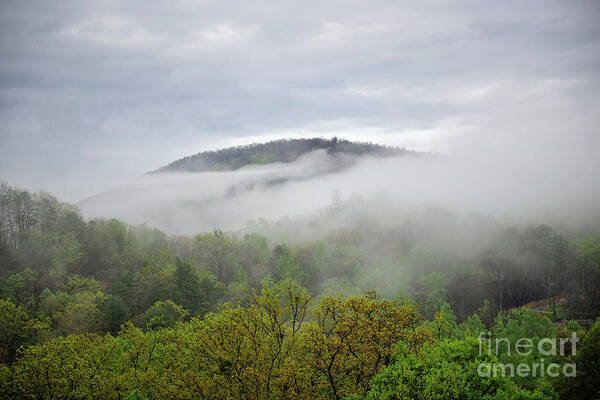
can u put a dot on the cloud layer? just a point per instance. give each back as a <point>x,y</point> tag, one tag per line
<point>388,189</point>
<point>94,92</point>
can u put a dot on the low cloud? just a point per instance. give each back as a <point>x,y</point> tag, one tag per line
<point>194,202</point>
<point>123,87</point>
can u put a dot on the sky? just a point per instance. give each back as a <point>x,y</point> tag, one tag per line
<point>93,93</point>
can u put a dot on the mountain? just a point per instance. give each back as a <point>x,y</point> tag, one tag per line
<point>284,150</point>
<point>283,177</point>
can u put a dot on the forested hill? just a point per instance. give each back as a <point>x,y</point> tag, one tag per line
<point>351,302</point>
<point>284,150</point>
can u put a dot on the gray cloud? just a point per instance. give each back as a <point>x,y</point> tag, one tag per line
<point>92,92</point>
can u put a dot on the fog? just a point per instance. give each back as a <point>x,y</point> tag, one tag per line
<point>188,203</point>
<point>530,157</point>
<point>93,94</point>
<point>154,193</point>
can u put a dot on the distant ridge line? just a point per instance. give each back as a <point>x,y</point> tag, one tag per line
<point>282,150</point>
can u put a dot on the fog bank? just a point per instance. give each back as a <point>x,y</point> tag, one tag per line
<point>187,203</point>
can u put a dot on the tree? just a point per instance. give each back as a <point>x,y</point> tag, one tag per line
<point>584,299</point>
<point>163,314</point>
<point>586,383</point>
<point>215,253</point>
<point>444,322</point>
<point>81,313</point>
<point>20,288</point>
<point>351,340</point>
<point>431,293</point>
<point>471,327</point>
<point>551,257</point>
<point>115,313</point>
<point>151,283</point>
<point>195,292</point>
<point>188,292</point>
<point>252,256</point>
<point>518,324</point>
<point>68,254</point>
<point>243,352</point>
<point>17,328</point>
<point>466,287</point>
<point>284,265</point>
<point>487,313</point>
<point>76,366</point>
<point>447,370</point>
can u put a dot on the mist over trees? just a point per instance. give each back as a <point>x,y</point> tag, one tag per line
<point>323,200</point>
<point>279,309</point>
<point>178,201</point>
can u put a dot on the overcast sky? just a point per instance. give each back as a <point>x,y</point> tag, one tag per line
<point>94,92</point>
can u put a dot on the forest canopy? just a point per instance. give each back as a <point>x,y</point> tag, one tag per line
<point>274,151</point>
<point>337,304</point>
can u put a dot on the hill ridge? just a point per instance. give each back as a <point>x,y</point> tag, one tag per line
<point>281,150</point>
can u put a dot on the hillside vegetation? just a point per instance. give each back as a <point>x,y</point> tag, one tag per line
<point>338,305</point>
<point>285,150</point>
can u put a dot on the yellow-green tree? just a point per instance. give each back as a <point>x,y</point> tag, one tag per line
<point>239,352</point>
<point>17,328</point>
<point>350,341</point>
<point>73,367</point>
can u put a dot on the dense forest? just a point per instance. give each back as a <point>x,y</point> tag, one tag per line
<point>347,302</point>
<point>283,150</point>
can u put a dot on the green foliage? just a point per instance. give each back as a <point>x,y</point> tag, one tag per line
<point>275,151</point>
<point>188,291</point>
<point>65,282</point>
<point>444,322</point>
<point>240,293</point>
<point>521,323</point>
<point>20,287</point>
<point>471,327</point>
<point>446,370</point>
<point>340,285</point>
<point>574,326</point>
<point>135,395</point>
<point>163,314</point>
<point>214,252</point>
<point>115,313</point>
<point>77,284</point>
<point>18,328</point>
<point>153,282</point>
<point>261,158</point>
<point>487,313</point>
<point>81,314</point>
<point>586,384</point>
<point>431,293</point>
<point>285,265</point>
<point>68,255</point>
<point>390,277</point>
<point>77,366</point>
